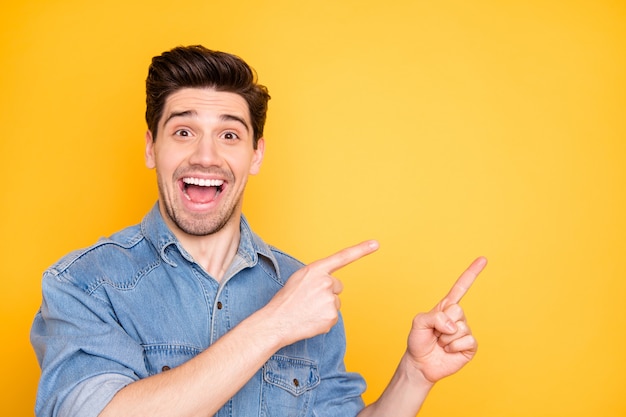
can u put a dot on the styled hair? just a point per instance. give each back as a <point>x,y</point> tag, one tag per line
<point>198,67</point>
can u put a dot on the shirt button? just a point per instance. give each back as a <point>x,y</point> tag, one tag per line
<point>165,368</point>
<point>219,305</point>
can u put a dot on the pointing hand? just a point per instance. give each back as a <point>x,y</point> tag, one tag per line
<point>308,304</point>
<point>440,342</point>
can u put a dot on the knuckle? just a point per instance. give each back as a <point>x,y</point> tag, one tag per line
<point>326,282</point>
<point>455,312</point>
<point>463,328</point>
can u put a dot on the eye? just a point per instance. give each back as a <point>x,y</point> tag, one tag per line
<point>182,132</point>
<point>230,135</point>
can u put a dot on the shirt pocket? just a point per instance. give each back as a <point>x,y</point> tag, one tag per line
<point>288,384</point>
<point>162,357</point>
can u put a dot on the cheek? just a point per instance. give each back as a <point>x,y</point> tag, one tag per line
<point>237,163</point>
<point>165,167</point>
<point>167,159</point>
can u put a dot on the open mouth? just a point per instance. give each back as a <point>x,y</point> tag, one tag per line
<point>201,190</point>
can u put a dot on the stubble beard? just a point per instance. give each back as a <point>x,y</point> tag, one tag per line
<point>199,224</point>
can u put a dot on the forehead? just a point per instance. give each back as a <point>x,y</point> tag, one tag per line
<point>205,103</point>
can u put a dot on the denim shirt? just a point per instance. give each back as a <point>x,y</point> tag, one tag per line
<point>137,304</point>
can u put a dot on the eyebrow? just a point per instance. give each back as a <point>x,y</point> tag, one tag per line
<point>173,115</point>
<point>223,117</point>
<point>234,118</point>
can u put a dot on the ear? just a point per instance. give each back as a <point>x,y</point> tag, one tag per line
<point>150,158</point>
<point>257,157</point>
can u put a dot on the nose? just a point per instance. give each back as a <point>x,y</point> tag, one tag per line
<point>205,153</point>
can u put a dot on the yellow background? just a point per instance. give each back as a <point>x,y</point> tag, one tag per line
<point>445,129</point>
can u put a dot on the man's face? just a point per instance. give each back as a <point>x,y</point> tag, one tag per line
<point>203,154</point>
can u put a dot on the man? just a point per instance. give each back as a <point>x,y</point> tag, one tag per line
<point>190,313</point>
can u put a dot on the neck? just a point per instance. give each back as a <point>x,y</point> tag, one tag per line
<point>214,252</point>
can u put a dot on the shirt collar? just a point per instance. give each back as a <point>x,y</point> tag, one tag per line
<point>251,245</point>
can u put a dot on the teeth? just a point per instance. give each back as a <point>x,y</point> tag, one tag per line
<point>203,182</point>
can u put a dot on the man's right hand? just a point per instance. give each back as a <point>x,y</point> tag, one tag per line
<point>309,302</point>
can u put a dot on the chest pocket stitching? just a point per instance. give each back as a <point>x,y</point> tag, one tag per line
<point>156,356</point>
<point>294,375</point>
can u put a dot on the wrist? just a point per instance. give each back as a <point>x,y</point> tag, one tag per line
<point>274,325</point>
<point>413,372</point>
<point>405,393</point>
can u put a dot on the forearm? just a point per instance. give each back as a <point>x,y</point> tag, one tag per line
<point>202,385</point>
<point>305,307</point>
<point>404,395</point>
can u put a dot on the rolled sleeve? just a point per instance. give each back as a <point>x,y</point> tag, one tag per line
<point>89,398</point>
<point>80,347</point>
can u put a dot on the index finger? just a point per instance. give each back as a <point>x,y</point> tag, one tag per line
<point>345,256</point>
<point>465,281</point>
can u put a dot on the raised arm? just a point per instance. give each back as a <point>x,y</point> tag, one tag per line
<point>305,307</point>
<point>440,343</point>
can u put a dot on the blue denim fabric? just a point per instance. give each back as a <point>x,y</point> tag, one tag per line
<point>136,304</point>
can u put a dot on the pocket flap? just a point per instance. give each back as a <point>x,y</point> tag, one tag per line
<point>292,374</point>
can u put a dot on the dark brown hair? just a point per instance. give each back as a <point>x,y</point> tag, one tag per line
<point>198,67</point>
